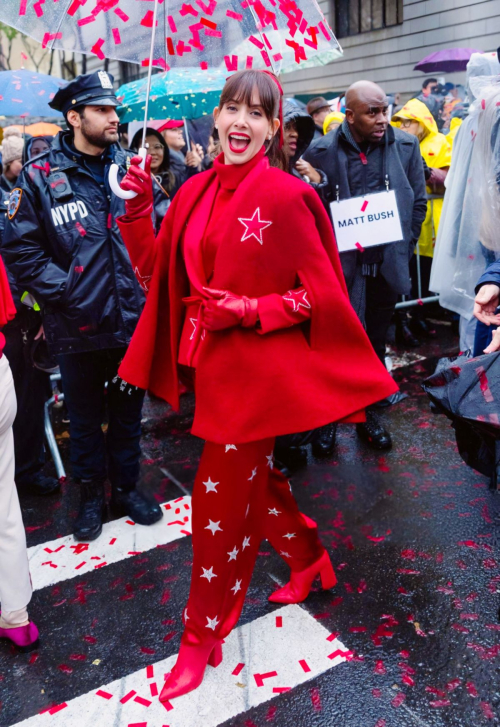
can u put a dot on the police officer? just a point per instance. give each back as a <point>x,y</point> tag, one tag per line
<point>62,244</point>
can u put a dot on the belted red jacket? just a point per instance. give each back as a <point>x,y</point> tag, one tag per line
<point>250,386</point>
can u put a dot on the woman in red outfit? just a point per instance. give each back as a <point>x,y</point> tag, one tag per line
<point>245,286</point>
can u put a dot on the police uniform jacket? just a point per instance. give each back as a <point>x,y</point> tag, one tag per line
<point>62,244</point>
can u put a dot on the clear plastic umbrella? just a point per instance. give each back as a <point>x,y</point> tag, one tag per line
<point>203,34</point>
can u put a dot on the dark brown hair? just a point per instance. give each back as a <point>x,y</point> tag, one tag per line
<point>240,87</point>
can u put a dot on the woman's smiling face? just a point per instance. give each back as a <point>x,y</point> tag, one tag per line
<point>243,129</point>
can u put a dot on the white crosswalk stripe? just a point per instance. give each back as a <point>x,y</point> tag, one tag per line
<point>262,659</point>
<point>63,558</point>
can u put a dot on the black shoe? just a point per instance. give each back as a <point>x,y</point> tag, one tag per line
<point>421,327</point>
<point>324,441</point>
<point>136,506</point>
<point>405,337</point>
<point>289,459</point>
<point>39,484</point>
<point>92,512</point>
<point>373,433</point>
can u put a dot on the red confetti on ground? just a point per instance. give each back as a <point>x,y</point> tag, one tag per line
<point>147,650</point>
<point>237,669</point>
<point>104,695</point>
<point>358,629</point>
<point>333,636</point>
<point>65,669</point>
<point>138,724</point>
<point>144,702</point>
<point>380,668</point>
<point>57,708</point>
<point>271,713</point>
<point>305,666</point>
<point>377,693</point>
<point>167,706</point>
<point>280,690</point>
<point>406,679</point>
<point>487,710</point>
<point>260,677</point>
<point>112,541</point>
<point>316,699</point>
<point>440,703</point>
<point>149,672</point>
<point>471,688</point>
<point>279,622</point>
<point>128,696</point>
<point>33,658</point>
<point>381,723</point>
<point>153,689</point>
<point>364,205</point>
<point>360,247</point>
<point>398,700</point>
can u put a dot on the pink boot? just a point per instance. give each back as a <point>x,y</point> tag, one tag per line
<point>24,637</point>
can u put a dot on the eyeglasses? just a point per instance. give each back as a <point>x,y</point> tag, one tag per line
<point>406,123</point>
<point>155,147</point>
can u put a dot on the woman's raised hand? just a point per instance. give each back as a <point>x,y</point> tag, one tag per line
<point>139,181</point>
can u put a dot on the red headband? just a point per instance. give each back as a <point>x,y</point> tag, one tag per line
<point>280,113</point>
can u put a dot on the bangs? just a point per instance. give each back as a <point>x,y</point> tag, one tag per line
<point>242,86</point>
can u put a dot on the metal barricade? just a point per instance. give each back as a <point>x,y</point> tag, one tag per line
<point>430,298</point>
<point>49,432</point>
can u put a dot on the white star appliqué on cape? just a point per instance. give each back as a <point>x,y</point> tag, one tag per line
<point>236,587</point>
<point>290,536</point>
<point>213,527</point>
<point>194,321</point>
<point>144,279</point>
<point>254,226</point>
<point>212,623</point>
<point>270,460</point>
<point>233,553</point>
<point>298,298</point>
<point>284,554</point>
<point>231,446</point>
<point>254,474</point>
<point>208,573</point>
<point>246,543</point>
<point>186,617</point>
<point>211,486</point>
<point>274,511</point>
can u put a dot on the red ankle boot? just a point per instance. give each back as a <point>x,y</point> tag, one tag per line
<point>189,669</point>
<point>299,586</point>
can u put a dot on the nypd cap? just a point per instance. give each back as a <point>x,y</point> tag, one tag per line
<point>90,89</point>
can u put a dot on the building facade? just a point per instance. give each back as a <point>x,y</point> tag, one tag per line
<point>384,39</point>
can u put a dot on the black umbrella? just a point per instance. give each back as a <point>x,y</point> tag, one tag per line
<point>467,390</point>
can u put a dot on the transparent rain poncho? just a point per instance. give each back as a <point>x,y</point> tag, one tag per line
<point>469,233</point>
<point>201,34</point>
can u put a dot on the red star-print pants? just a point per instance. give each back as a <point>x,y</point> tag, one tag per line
<point>239,499</point>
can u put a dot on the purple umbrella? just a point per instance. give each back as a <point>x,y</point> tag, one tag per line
<point>446,61</point>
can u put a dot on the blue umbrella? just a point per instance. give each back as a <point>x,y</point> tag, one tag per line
<point>180,93</point>
<point>26,93</point>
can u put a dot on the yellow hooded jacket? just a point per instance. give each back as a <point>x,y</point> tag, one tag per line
<point>436,151</point>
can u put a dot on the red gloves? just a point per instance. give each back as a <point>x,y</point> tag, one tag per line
<point>227,310</point>
<point>139,180</point>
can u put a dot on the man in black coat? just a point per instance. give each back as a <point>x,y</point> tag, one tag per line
<point>62,244</point>
<point>366,155</point>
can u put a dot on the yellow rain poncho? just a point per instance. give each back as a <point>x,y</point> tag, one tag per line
<point>335,116</point>
<point>436,151</point>
<point>455,124</point>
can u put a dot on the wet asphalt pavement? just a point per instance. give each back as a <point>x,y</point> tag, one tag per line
<point>414,539</point>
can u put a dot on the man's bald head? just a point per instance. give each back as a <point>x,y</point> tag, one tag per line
<point>366,111</point>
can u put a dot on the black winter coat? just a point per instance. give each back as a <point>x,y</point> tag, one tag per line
<point>63,246</point>
<point>348,176</point>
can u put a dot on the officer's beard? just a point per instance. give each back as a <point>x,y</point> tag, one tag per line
<point>102,139</point>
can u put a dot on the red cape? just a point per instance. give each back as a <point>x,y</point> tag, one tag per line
<point>251,386</point>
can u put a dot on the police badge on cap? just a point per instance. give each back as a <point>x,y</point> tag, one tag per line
<point>90,89</point>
